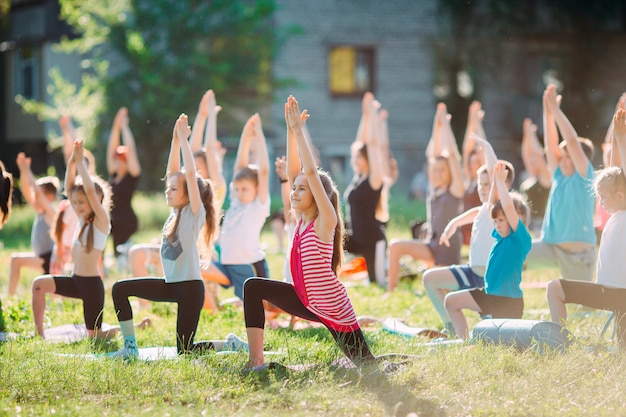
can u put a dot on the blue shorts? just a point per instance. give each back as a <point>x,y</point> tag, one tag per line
<point>466,277</point>
<point>239,273</point>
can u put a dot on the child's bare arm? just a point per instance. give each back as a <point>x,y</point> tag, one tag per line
<point>475,115</point>
<point>195,141</point>
<point>462,219</point>
<point>550,134</point>
<point>27,186</point>
<point>101,215</point>
<point>457,187</point>
<point>371,139</point>
<point>574,148</point>
<point>114,139</point>
<point>281,170</point>
<point>263,160</point>
<point>245,141</point>
<point>182,131</point>
<point>69,136</point>
<point>619,139</point>
<point>214,155</point>
<point>327,216</point>
<point>499,176</point>
<point>128,140</point>
<point>173,160</point>
<point>490,155</point>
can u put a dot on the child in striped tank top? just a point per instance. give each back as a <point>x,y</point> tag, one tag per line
<point>315,294</point>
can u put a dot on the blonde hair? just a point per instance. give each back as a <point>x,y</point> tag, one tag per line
<point>611,177</point>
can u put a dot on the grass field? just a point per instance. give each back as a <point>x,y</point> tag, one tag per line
<point>479,380</point>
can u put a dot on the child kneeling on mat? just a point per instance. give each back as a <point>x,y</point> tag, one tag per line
<point>502,296</point>
<point>609,290</point>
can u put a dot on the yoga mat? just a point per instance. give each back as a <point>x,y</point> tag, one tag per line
<point>397,326</point>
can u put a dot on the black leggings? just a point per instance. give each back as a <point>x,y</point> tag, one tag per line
<point>189,295</point>
<point>368,251</point>
<point>283,295</point>
<point>88,289</point>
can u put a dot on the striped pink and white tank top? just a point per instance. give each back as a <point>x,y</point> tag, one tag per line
<point>315,281</point>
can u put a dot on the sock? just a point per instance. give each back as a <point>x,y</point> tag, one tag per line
<point>128,332</point>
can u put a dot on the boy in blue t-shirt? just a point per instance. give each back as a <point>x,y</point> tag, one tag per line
<point>502,296</point>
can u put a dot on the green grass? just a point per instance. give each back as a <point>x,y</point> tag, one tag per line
<point>458,381</point>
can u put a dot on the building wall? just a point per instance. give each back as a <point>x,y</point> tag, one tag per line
<point>400,32</point>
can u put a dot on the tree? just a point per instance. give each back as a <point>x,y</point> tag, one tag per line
<point>157,57</point>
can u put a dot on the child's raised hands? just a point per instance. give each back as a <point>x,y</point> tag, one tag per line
<point>280,164</point>
<point>476,113</point>
<point>551,100</point>
<point>182,129</point>
<point>121,117</point>
<point>499,172</point>
<point>208,105</point>
<point>619,126</point>
<point>78,151</point>
<point>294,118</point>
<point>23,162</point>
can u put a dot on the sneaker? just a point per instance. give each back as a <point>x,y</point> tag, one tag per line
<point>129,353</point>
<point>235,344</point>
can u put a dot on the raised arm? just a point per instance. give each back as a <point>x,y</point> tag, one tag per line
<point>263,159</point>
<point>101,216</point>
<point>27,186</point>
<point>280,164</point>
<point>114,140</point>
<point>490,155</point>
<point>457,187</point>
<point>475,115</point>
<point>327,217</point>
<point>574,149</point>
<point>128,140</point>
<point>173,161</point>
<point>533,154</point>
<point>608,138</point>
<point>182,132</point>
<point>462,219</point>
<point>199,122</point>
<point>69,136</point>
<point>499,177</point>
<point>245,142</point>
<point>212,148</point>
<point>619,139</point>
<point>434,147</point>
<point>371,137</point>
<point>550,134</point>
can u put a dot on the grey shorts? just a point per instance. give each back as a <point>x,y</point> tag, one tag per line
<point>578,266</point>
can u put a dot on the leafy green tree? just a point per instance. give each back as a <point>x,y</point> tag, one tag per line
<point>158,57</point>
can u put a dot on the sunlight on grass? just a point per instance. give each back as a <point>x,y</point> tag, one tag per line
<point>479,380</point>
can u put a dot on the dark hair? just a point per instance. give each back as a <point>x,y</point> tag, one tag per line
<point>250,173</point>
<point>6,193</point>
<point>520,207</point>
